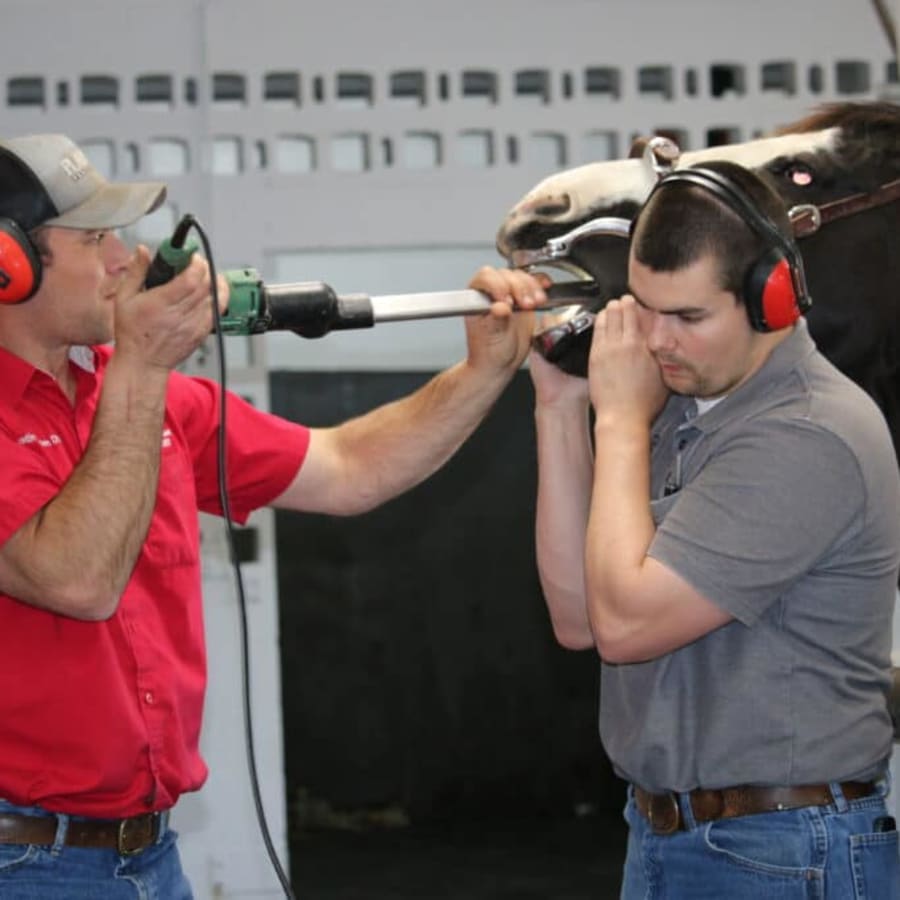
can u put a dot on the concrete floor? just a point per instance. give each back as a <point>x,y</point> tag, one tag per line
<point>522,859</point>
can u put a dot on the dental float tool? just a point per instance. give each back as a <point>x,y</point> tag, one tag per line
<point>312,308</point>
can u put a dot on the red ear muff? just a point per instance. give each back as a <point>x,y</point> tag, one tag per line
<point>769,292</point>
<point>20,264</point>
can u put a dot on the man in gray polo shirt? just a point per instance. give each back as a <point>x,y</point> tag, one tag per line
<point>730,545</point>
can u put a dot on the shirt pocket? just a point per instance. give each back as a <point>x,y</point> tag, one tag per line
<point>173,536</point>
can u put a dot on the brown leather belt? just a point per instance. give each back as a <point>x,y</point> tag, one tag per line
<point>127,836</point>
<point>664,814</point>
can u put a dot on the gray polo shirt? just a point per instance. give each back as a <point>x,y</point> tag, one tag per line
<point>781,504</point>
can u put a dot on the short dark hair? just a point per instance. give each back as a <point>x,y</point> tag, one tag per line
<point>39,239</point>
<point>681,222</point>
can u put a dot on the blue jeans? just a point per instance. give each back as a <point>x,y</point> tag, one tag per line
<point>57,872</point>
<point>814,853</point>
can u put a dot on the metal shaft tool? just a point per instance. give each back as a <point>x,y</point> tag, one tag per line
<point>313,309</point>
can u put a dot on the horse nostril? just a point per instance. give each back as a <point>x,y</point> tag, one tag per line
<point>549,207</point>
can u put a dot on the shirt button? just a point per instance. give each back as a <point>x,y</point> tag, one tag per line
<point>148,697</point>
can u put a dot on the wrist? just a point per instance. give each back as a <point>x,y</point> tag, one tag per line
<point>632,431</point>
<point>485,374</point>
<point>136,377</point>
<point>561,407</point>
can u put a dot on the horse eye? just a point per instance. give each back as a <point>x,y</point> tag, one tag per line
<point>800,175</point>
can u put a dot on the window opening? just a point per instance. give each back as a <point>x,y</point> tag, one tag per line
<point>480,84</point>
<point>99,90</point>
<point>603,81</point>
<point>282,87</point>
<point>725,79</point>
<point>655,80</point>
<point>25,91</point>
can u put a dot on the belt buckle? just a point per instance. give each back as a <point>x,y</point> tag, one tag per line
<point>123,847</point>
<point>667,824</point>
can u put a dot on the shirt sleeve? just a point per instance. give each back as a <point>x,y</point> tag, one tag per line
<point>761,514</point>
<point>26,486</point>
<point>263,452</point>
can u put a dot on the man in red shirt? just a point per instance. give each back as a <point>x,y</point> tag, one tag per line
<point>107,456</point>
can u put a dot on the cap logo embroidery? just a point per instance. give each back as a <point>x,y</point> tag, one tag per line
<point>75,168</point>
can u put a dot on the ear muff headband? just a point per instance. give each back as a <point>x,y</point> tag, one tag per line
<point>775,287</point>
<point>20,264</point>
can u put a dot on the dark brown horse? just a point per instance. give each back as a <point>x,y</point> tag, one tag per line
<point>843,159</point>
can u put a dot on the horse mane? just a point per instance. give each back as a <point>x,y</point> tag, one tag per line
<point>868,142</point>
<point>850,117</point>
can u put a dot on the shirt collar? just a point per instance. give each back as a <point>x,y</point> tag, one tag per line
<point>16,373</point>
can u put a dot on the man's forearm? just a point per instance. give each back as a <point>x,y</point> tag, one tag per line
<point>565,466</point>
<point>76,555</point>
<point>398,445</point>
<point>620,527</point>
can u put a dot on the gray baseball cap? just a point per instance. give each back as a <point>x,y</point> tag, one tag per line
<point>45,179</point>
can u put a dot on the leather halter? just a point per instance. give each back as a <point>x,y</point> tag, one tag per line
<point>807,219</point>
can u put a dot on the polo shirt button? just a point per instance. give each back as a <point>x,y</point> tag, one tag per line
<point>148,697</point>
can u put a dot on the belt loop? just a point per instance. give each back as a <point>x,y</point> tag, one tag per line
<point>162,825</point>
<point>687,811</point>
<point>840,801</point>
<point>62,828</point>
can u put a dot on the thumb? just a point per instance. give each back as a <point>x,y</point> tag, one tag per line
<point>135,271</point>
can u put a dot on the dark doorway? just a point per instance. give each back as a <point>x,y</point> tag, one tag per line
<point>435,733</point>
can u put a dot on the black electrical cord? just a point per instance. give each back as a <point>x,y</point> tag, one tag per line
<point>238,576</point>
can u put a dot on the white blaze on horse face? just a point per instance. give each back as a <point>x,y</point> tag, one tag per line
<point>565,196</point>
<point>577,194</point>
<point>755,154</point>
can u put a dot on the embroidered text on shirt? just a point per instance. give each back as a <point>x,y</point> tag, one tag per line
<point>52,440</point>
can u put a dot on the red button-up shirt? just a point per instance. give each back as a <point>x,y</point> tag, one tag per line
<point>103,718</point>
